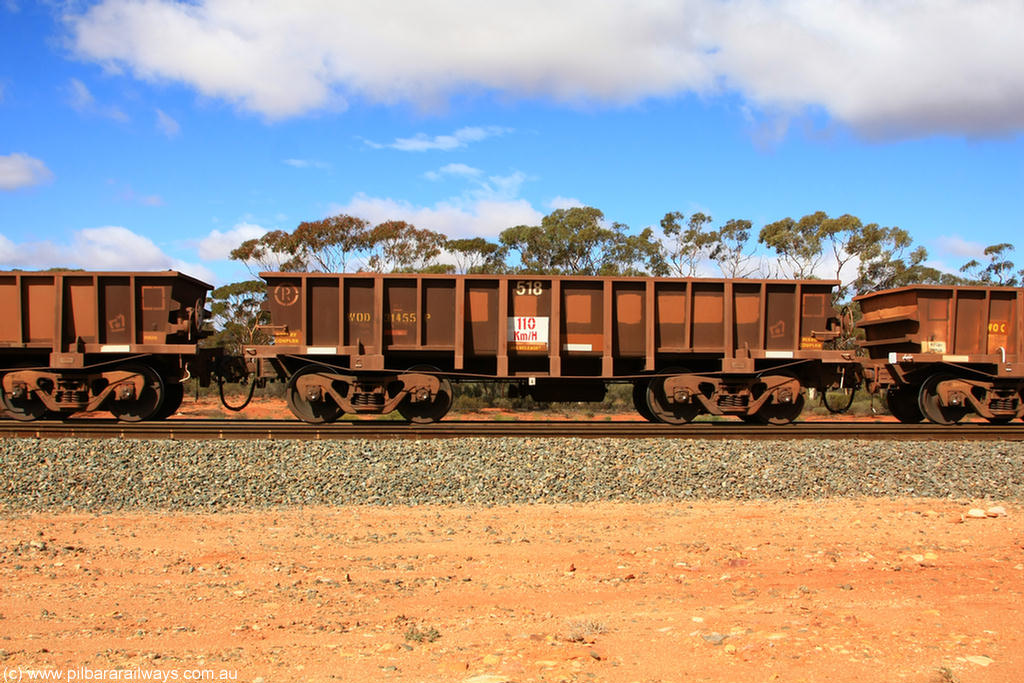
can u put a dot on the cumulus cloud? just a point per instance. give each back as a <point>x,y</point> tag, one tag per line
<point>114,247</point>
<point>8,249</point>
<point>20,170</point>
<point>560,202</point>
<point>886,68</point>
<point>455,217</point>
<point>487,205</point>
<point>957,246</point>
<point>104,248</point>
<point>217,246</point>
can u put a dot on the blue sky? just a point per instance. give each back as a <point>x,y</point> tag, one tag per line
<point>148,134</point>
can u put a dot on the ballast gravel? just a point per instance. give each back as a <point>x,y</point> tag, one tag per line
<point>114,474</point>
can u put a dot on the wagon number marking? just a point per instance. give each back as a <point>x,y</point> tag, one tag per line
<point>529,287</point>
<point>997,328</point>
<point>396,317</point>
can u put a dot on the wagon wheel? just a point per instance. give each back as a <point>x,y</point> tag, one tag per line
<point>24,408</point>
<point>307,410</point>
<point>928,400</point>
<point>902,403</point>
<point>423,412</point>
<point>640,401</point>
<point>147,404</point>
<point>174,396</point>
<point>780,413</point>
<point>662,409</point>
<point>1001,420</point>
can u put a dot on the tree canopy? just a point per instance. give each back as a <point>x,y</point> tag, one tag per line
<point>997,271</point>
<point>865,257</point>
<point>581,241</point>
<point>237,313</point>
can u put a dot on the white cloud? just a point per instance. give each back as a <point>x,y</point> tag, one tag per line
<point>105,248</point>
<point>457,170</point>
<point>8,250</point>
<point>307,163</point>
<point>455,218</point>
<point>560,202</point>
<point>897,67</point>
<point>217,245</point>
<point>421,142</point>
<point>958,246</point>
<point>82,100</point>
<point>488,205</point>
<point>114,247</point>
<point>167,125</point>
<point>20,170</point>
<point>494,187</point>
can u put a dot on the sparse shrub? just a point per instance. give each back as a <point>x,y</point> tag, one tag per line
<point>584,630</point>
<point>415,634</point>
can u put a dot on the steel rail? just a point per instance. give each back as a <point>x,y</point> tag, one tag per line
<point>190,429</point>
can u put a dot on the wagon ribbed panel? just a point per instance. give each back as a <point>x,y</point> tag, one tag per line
<point>94,312</point>
<point>962,321</point>
<point>544,325</point>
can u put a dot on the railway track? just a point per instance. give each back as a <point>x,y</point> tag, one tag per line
<point>188,429</point>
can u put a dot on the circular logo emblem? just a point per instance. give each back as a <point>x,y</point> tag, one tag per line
<point>286,295</point>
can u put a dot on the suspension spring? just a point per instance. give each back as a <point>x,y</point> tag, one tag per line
<point>72,396</point>
<point>733,400</point>
<point>1003,405</point>
<point>368,399</point>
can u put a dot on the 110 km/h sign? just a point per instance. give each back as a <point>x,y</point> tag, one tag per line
<point>528,333</point>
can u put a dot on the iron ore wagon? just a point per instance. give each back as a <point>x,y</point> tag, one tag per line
<point>943,353</point>
<point>77,341</point>
<point>373,343</point>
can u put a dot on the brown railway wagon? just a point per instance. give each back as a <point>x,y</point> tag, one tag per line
<point>118,341</point>
<point>371,343</point>
<point>944,352</point>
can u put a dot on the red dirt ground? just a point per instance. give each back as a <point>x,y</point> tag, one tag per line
<point>839,590</point>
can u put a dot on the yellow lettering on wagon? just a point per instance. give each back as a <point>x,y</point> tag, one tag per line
<point>810,343</point>
<point>289,338</point>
